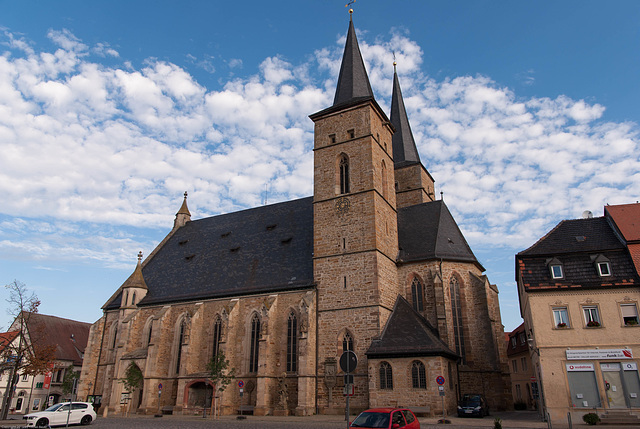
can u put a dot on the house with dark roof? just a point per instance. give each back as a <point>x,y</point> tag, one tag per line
<point>68,338</point>
<point>579,293</point>
<point>371,264</point>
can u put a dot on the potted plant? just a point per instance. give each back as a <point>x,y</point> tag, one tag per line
<point>593,323</point>
<point>562,325</point>
<point>631,322</point>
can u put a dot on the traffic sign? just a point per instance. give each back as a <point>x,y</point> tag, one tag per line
<point>159,386</point>
<point>348,361</point>
<point>440,380</point>
<point>241,384</point>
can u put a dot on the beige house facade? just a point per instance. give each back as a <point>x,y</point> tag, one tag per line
<point>579,297</point>
<point>371,264</point>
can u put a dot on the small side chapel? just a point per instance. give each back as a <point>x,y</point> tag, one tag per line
<point>372,263</point>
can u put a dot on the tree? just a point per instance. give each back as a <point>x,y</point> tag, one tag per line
<point>219,372</point>
<point>70,376</point>
<point>133,378</point>
<point>29,353</point>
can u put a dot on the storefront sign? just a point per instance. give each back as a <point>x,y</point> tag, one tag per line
<point>580,367</point>
<point>630,366</point>
<point>600,354</point>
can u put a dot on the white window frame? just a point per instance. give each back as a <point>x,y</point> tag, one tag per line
<point>558,316</point>
<point>560,274</point>
<point>591,313</point>
<point>608,269</point>
<point>630,313</point>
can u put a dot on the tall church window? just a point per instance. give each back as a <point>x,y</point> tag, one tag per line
<point>417,293</point>
<point>384,180</point>
<point>180,341</point>
<point>148,330</point>
<point>418,375</point>
<point>217,335</point>
<point>133,298</point>
<point>456,311</point>
<point>115,337</point>
<point>386,376</point>
<point>344,174</point>
<point>292,343</point>
<point>254,348</point>
<point>126,298</point>
<point>347,342</point>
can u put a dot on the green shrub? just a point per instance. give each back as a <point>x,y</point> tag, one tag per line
<point>497,423</point>
<point>591,418</point>
<point>520,405</point>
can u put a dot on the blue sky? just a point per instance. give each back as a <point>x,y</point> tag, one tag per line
<point>525,113</point>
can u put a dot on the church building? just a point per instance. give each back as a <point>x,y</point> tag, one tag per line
<point>371,263</point>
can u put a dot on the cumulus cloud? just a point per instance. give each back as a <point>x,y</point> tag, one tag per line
<point>99,148</point>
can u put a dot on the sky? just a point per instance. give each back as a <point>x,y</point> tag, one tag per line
<point>524,112</point>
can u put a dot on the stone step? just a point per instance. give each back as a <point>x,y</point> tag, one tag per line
<point>619,417</point>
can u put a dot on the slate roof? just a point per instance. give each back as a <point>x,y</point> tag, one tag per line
<point>404,146</point>
<point>408,334</point>
<point>576,244</point>
<point>264,249</point>
<point>428,231</point>
<point>353,82</point>
<point>68,336</point>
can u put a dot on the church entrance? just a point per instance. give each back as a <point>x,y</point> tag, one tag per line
<point>199,395</point>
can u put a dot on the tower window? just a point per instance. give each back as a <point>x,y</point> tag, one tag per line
<point>351,133</point>
<point>332,138</point>
<point>417,295</point>
<point>344,175</point>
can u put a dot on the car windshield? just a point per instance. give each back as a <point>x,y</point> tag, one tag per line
<point>54,407</point>
<point>371,420</point>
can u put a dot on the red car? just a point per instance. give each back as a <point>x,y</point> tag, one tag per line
<point>388,418</point>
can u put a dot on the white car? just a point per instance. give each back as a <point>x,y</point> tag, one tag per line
<point>57,415</point>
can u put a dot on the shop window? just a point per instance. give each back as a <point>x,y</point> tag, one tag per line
<point>582,385</point>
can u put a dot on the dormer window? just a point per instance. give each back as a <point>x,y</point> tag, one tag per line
<point>555,268</point>
<point>602,265</point>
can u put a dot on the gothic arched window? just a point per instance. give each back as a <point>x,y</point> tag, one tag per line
<point>181,334</point>
<point>417,294</point>
<point>344,174</point>
<point>456,311</point>
<point>386,376</point>
<point>418,375</point>
<point>254,347</point>
<point>347,342</point>
<point>133,298</point>
<point>292,343</point>
<point>217,335</point>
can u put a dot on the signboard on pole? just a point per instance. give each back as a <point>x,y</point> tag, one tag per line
<point>440,380</point>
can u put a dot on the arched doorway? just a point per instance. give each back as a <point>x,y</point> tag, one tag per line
<point>198,396</point>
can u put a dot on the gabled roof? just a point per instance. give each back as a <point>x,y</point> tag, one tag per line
<point>68,336</point>
<point>353,81</point>
<point>404,146</point>
<point>428,231</point>
<point>408,334</point>
<point>627,219</point>
<point>260,250</point>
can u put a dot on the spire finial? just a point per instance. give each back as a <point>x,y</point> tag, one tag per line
<point>185,195</point>
<point>139,256</point>
<point>394,61</point>
<point>350,8</point>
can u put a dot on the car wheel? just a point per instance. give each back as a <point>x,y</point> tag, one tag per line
<point>85,420</point>
<point>42,423</point>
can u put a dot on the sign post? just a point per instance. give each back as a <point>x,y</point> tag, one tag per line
<point>440,381</point>
<point>159,414</point>
<point>348,363</point>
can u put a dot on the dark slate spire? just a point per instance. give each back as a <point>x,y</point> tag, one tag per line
<point>404,147</point>
<point>353,82</point>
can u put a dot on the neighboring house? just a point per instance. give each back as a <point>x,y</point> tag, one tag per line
<point>579,294</point>
<point>37,392</point>
<point>523,382</point>
<point>371,263</point>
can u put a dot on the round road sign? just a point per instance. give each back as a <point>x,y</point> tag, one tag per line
<point>241,384</point>
<point>348,361</point>
<point>440,380</point>
<point>159,386</point>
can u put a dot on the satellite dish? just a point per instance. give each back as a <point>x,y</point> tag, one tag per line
<point>587,214</point>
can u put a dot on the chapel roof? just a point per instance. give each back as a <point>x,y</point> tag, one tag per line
<point>408,334</point>
<point>428,231</point>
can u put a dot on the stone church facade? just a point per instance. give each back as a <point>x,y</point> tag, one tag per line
<point>372,263</point>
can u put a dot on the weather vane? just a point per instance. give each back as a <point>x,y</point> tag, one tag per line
<point>349,4</point>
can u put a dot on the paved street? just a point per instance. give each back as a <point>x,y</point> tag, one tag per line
<point>510,420</point>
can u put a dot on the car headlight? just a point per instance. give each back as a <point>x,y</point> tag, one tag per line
<point>459,407</point>
<point>477,408</point>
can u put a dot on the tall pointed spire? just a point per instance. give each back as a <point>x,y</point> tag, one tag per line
<point>353,82</point>
<point>404,147</point>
